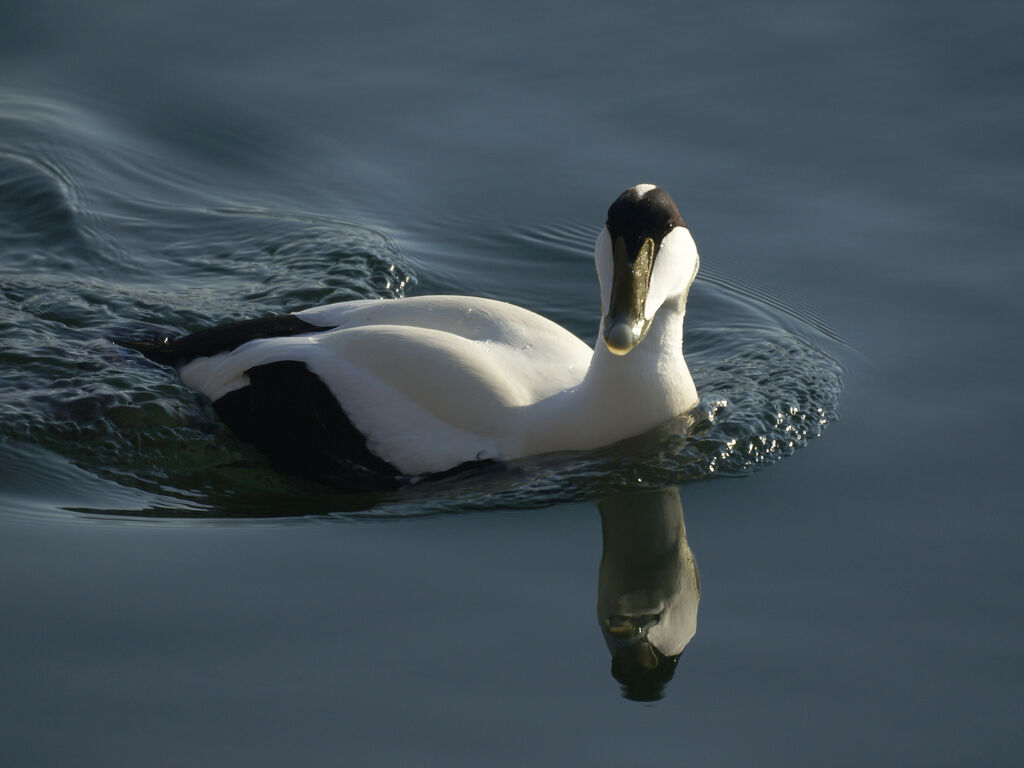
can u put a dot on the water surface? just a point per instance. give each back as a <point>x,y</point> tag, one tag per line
<point>851,177</point>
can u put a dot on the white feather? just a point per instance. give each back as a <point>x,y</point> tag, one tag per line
<point>674,270</point>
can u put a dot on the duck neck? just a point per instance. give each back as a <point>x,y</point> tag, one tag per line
<point>653,368</point>
<point>621,395</point>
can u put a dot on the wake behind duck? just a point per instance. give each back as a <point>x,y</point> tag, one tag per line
<point>375,393</point>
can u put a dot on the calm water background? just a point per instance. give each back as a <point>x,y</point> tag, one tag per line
<point>852,175</point>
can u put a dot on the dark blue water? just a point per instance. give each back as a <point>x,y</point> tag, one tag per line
<point>852,177</point>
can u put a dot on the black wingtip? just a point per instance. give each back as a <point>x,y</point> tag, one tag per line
<point>176,351</point>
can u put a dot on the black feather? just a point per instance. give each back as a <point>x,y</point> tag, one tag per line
<point>289,413</point>
<point>219,338</point>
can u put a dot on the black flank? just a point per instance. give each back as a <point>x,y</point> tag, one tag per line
<point>291,415</point>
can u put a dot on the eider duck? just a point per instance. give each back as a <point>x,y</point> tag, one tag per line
<point>376,393</point>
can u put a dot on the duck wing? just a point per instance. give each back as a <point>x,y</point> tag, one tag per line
<point>424,400</point>
<point>470,317</point>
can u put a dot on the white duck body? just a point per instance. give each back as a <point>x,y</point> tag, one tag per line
<point>436,381</point>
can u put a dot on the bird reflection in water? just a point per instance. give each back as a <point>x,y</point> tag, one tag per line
<point>648,589</point>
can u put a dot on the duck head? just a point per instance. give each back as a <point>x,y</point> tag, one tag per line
<point>645,258</point>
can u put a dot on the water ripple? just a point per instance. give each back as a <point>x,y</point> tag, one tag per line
<point>93,247</point>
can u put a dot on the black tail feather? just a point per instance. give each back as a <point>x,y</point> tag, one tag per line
<point>158,349</point>
<point>220,338</point>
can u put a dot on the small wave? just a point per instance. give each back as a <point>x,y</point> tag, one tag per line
<point>793,307</point>
<point>36,213</point>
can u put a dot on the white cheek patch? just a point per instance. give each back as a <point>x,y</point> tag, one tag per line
<point>605,264</point>
<point>674,269</point>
